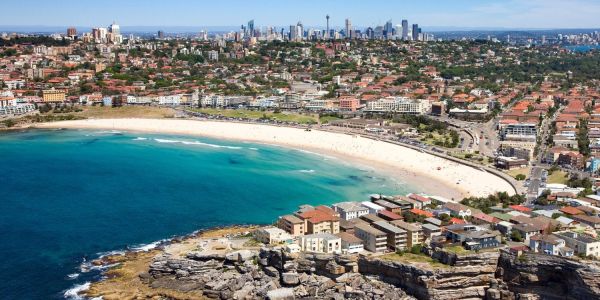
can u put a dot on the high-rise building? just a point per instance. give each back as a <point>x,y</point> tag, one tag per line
<point>349,33</point>
<point>300,31</point>
<point>388,30</point>
<point>114,28</point>
<point>250,29</point>
<point>327,32</point>
<point>293,32</point>
<point>161,34</point>
<point>71,32</point>
<point>405,30</point>
<point>415,32</point>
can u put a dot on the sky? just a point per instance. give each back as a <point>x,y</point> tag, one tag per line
<point>549,14</point>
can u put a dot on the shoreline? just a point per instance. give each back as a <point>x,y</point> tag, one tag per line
<point>429,174</point>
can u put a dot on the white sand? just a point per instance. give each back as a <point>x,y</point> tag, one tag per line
<point>413,167</point>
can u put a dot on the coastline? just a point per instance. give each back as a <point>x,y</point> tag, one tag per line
<point>432,175</point>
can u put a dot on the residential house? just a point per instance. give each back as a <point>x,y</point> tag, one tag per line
<point>549,244</point>
<point>321,242</point>
<point>320,221</point>
<point>350,243</point>
<point>458,210</point>
<point>473,236</point>
<point>580,243</point>
<point>350,210</point>
<point>272,235</point>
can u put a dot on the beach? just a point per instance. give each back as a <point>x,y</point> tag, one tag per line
<point>432,175</point>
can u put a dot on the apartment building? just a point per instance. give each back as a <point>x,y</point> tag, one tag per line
<point>292,224</point>
<point>321,242</point>
<point>414,233</point>
<point>350,210</point>
<point>396,237</point>
<point>374,240</point>
<point>581,244</point>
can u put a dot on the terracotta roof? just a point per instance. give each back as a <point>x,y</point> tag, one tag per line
<point>569,210</point>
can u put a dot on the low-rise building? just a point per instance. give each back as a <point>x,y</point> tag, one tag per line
<point>321,242</point>
<point>272,235</point>
<point>351,243</point>
<point>374,240</point>
<point>581,244</point>
<point>396,237</point>
<point>292,224</point>
<point>320,221</point>
<point>350,210</point>
<point>414,233</point>
<point>549,244</point>
<point>473,236</point>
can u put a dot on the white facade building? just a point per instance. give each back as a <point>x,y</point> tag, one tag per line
<point>401,105</point>
<point>321,242</point>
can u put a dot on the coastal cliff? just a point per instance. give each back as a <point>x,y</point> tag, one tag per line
<point>549,277</point>
<point>181,271</point>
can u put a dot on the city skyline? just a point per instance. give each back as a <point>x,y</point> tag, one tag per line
<point>548,14</point>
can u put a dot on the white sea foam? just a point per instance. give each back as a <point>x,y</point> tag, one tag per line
<point>73,293</point>
<point>73,276</point>
<point>196,143</point>
<point>307,171</point>
<point>148,247</point>
<point>140,139</point>
<point>255,149</point>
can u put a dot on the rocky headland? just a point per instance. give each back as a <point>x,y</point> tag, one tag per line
<point>225,265</point>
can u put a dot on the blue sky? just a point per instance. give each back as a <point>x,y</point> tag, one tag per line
<point>457,13</point>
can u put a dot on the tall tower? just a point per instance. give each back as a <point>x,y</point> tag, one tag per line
<point>327,32</point>
<point>405,30</point>
<point>349,33</point>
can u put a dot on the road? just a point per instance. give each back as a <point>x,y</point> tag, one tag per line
<point>535,183</point>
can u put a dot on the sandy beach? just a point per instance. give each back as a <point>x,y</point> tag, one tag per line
<point>430,174</point>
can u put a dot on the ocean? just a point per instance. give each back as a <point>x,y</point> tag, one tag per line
<point>68,196</point>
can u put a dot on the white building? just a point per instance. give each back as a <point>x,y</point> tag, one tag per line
<point>272,235</point>
<point>170,100</point>
<point>373,208</point>
<point>350,210</point>
<point>15,84</point>
<point>321,242</point>
<point>401,105</point>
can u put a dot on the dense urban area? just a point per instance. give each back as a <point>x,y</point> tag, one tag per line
<point>527,109</point>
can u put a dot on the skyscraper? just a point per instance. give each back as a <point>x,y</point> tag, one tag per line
<point>250,28</point>
<point>161,34</point>
<point>349,31</point>
<point>405,30</point>
<point>388,30</point>
<point>415,32</point>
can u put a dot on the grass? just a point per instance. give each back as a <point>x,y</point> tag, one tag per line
<point>558,177</point>
<point>100,112</point>
<point>418,259</point>
<point>253,114</point>
<point>431,138</point>
<point>514,172</point>
<point>327,119</point>
<point>458,250</point>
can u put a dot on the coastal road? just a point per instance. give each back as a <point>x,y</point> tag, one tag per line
<point>535,183</point>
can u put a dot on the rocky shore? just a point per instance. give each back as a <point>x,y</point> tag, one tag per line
<point>185,270</point>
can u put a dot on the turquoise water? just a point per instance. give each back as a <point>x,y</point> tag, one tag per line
<point>66,196</point>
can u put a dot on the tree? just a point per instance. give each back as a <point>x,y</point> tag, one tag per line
<point>515,235</point>
<point>520,177</point>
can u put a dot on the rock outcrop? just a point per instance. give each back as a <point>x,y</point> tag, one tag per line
<point>270,274</point>
<point>465,282</point>
<point>538,276</point>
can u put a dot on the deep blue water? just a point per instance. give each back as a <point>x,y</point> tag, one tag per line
<point>70,195</point>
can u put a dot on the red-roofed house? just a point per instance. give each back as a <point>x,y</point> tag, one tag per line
<point>521,208</point>
<point>420,212</point>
